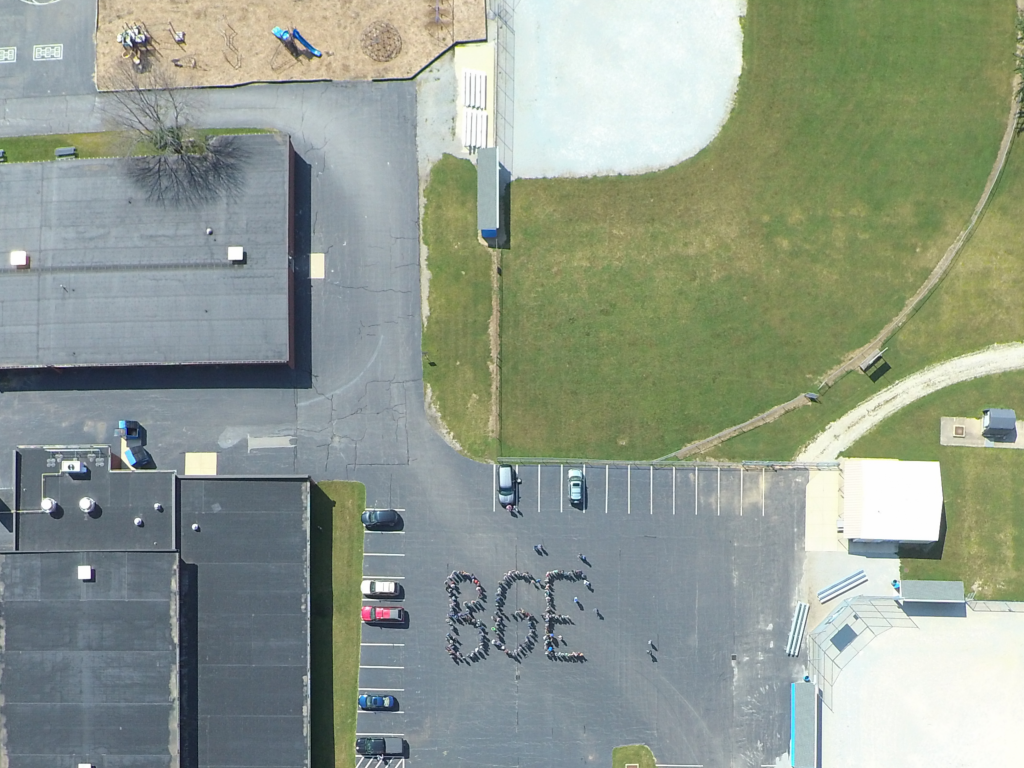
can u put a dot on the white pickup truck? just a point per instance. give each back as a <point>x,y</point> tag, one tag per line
<point>379,588</point>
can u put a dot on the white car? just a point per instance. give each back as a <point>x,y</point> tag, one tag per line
<point>379,588</point>
<point>576,485</point>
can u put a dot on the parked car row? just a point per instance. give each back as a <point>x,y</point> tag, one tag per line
<point>381,746</point>
<point>508,486</point>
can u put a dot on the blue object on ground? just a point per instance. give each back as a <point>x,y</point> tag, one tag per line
<point>309,47</point>
<point>282,34</point>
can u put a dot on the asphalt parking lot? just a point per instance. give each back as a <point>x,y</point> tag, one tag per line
<point>47,48</point>
<point>711,587</point>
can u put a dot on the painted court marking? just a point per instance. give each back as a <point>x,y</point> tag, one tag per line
<point>48,52</point>
<point>8,55</point>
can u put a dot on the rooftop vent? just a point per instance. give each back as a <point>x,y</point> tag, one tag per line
<point>139,522</point>
<point>85,573</point>
<point>48,505</point>
<point>236,254</point>
<point>19,259</point>
<point>87,504</point>
<point>72,467</point>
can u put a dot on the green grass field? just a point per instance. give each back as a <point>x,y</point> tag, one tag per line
<point>27,149</point>
<point>635,754</point>
<point>640,313</point>
<point>983,488</point>
<point>456,345</point>
<point>976,305</point>
<point>336,561</point>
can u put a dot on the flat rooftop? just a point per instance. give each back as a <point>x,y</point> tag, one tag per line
<point>245,614</point>
<point>115,278</point>
<point>121,496</point>
<point>89,667</point>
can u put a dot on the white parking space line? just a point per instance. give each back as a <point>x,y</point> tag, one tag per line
<point>629,489</point>
<point>371,666</point>
<point>384,690</point>
<point>652,489</point>
<point>382,533</point>
<point>762,491</point>
<point>585,502</point>
<point>378,714</point>
<point>741,491</point>
<point>538,489</point>
<point>383,554</point>
<point>386,645</point>
<point>378,733</point>
<point>381,509</point>
<point>561,488</point>
<point>696,477</point>
<point>719,490</point>
<point>673,490</point>
<point>383,578</point>
<point>606,489</point>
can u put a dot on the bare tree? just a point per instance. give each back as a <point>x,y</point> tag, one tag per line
<point>166,155</point>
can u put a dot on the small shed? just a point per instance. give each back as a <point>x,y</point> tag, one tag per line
<point>891,500</point>
<point>999,423</point>
<point>488,198</point>
<point>932,591</point>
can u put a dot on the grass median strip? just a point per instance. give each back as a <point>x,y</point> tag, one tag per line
<point>27,149</point>
<point>336,544</point>
<point>456,341</point>
<point>633,754</point>
<point>984,539</point>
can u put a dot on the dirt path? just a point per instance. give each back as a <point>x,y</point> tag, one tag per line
<point>764,418</point>
<point>853,359</point>
<point>845,431</point>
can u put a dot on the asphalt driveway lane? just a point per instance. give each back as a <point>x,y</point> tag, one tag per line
<point>55,49</point>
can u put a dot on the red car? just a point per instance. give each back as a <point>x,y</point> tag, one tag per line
<point>389,613</point>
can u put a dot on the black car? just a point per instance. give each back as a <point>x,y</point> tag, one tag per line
<point>381,518</point>
<point>379,745</point>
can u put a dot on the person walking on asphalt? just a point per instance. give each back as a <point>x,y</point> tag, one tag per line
<point>536,548</point>
<point>583,558</point>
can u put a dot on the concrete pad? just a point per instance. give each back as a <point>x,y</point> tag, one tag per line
<point>822,512</point>
<point>200,463</point>
<point>971,436</point>
<point>316,266</point>
<point>824,568</point>
<point>947,693</point>
<point>605,87</point>
<point>478,57</point>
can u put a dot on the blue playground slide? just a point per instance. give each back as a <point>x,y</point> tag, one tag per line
<point>310,48</point>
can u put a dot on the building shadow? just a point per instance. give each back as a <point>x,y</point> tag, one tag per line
<point>939,610</point>
<point>302,243</point>
<point>504,239</point>
<point>879,371</point>
<point>931,551</point>
<point>188,663</point>
<point>321,630</point>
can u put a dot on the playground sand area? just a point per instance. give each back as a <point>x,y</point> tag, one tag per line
<point>227,43</point>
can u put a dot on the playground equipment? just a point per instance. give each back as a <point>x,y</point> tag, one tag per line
<point>290,38</point>
<point>135,40</point>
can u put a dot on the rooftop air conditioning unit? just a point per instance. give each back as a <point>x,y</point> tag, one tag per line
<point>72,467</point>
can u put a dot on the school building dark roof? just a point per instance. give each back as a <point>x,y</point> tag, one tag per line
<point>114,277</point>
